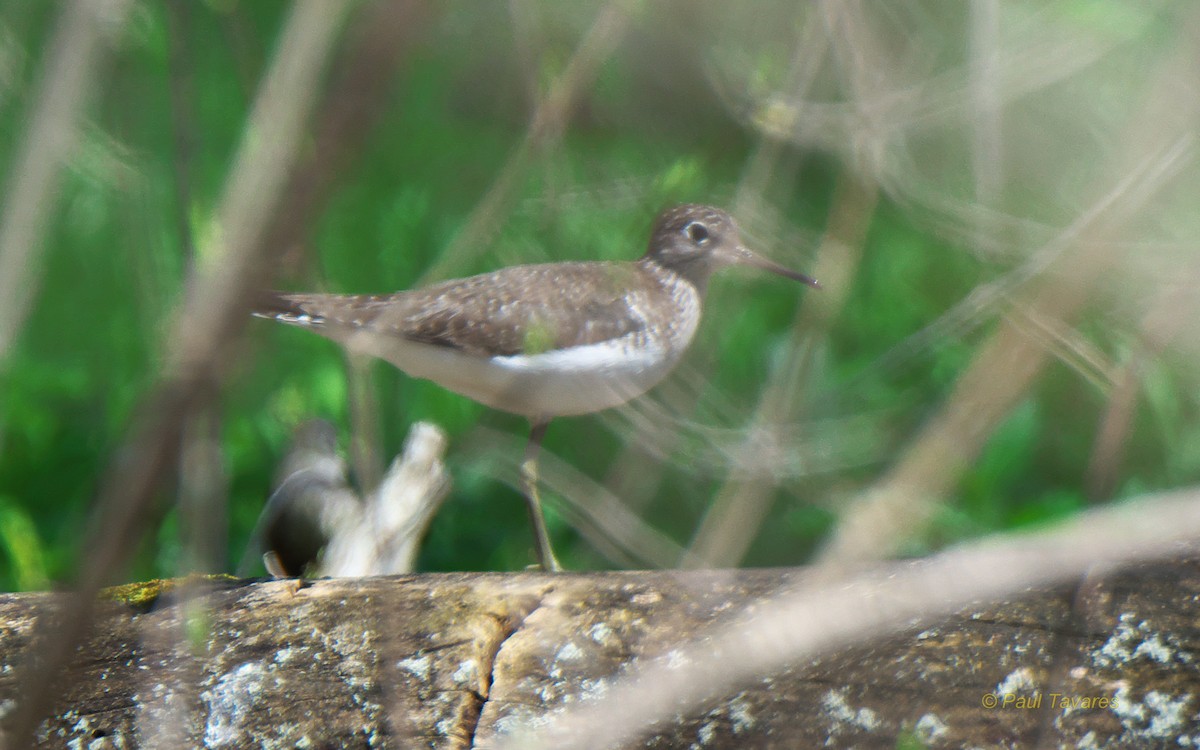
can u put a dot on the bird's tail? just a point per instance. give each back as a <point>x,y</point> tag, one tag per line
<point>297,309</point>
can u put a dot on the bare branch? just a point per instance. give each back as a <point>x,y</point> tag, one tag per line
<point>65,85</point>
<point>837,612</point>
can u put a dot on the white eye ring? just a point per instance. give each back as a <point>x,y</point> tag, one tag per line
<point>696,232</point>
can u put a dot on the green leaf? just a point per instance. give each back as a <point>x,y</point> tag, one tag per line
<point>23,546</point>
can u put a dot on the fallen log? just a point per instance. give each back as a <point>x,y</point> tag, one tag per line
<point>461,660</point>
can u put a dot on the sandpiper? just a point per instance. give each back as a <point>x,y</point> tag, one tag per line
<point>545,340</point>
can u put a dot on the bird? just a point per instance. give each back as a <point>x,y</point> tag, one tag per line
<point>544,340</point>
<point>311,503</point>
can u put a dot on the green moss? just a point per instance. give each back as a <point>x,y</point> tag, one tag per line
<point>144,594</point>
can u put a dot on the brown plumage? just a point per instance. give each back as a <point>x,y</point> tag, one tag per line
<point>515,310</point>
<point>531,309</point>
<point>544,340</point>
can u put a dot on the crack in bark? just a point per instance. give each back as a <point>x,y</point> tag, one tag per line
<point>511,627</point>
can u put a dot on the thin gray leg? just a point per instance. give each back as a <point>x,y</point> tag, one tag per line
<point>529,477</point>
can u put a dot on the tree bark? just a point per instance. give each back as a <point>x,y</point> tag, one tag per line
<point>459,660</point>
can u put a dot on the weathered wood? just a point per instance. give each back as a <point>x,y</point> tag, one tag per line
<point>457,660</point>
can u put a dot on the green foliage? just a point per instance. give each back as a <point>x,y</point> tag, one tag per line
<point>138,199</point>
<point>22,545</point>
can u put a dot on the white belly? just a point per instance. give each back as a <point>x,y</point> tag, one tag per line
<point>563,382</point>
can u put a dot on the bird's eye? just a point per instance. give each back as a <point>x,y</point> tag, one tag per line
<point>697,232</point>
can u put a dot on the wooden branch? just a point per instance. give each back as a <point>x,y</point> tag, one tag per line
<point>459,660</point>
<point>385,536</point>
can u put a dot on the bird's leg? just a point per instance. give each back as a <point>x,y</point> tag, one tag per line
<point>529,477</point>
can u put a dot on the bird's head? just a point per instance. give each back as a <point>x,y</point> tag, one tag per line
<point>694,240</point>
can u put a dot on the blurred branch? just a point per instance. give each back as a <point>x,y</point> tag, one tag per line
<point>733,520</point>
<point>545,128</point>
<point>787,450</point>
<point>182,93</point>
<point>1115,428</point>
<point>366,452</point>
<point>1160,144</point>
<point>824,614</point>
<point>1173,309</point>
<point>987,298</point>
<point>912,98</point>
<point>987,155</point>
<point>762,168</point>
<point>241,245</point>
<point>602,518</point>
<point>741,505</point>
<point>203,495</point>
<point>67,80</point>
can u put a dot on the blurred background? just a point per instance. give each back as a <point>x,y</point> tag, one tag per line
<point>999,198</point>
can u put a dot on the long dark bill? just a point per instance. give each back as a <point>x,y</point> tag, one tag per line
<point>745,257</point>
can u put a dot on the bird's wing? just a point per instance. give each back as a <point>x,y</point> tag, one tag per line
<point>516,310</point>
